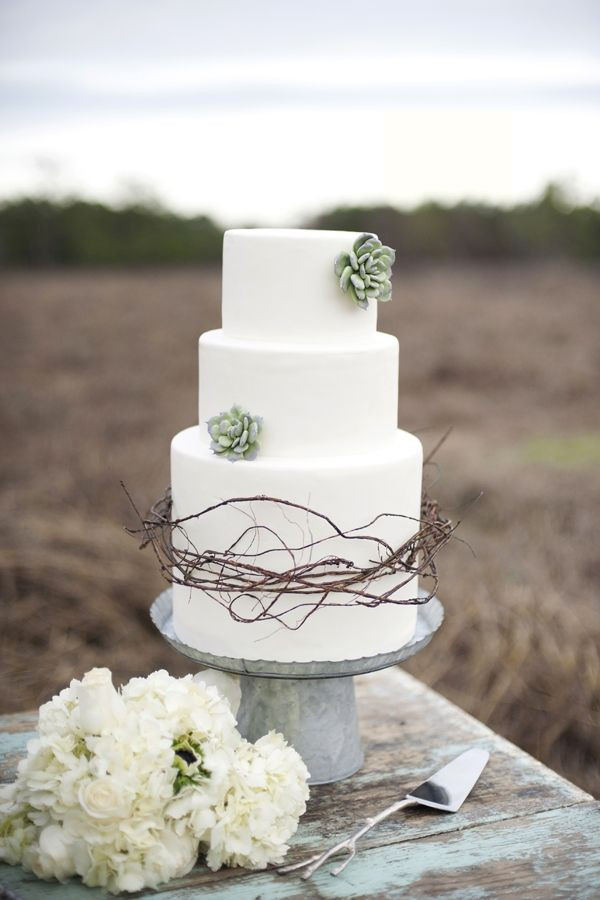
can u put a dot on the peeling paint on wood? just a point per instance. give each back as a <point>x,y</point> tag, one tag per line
<point>524,830</point>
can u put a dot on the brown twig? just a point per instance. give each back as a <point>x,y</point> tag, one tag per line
<point>230,575</point>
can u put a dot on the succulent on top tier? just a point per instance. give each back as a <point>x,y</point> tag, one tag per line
<point>365,271</point>
<point>234,434</point>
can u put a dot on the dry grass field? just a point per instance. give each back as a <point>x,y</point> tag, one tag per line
<point>99,369</point>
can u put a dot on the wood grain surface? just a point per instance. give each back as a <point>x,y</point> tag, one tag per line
<point>523,831</point>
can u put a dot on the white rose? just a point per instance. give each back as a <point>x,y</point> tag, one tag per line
<point>100,706</point>
<point>104,798</point>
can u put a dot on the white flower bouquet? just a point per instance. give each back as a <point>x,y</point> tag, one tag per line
<point>125,788</point>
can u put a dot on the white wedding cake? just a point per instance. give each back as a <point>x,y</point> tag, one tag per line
<point>298,401</point>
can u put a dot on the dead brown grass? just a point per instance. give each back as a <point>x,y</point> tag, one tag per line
<point>99,370</point>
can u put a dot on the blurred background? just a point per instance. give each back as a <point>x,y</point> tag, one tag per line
<point>467,135</point>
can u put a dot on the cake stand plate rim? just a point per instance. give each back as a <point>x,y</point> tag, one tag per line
<point>430,616</point>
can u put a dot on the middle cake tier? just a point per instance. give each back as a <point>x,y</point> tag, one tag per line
<point>314,400</point>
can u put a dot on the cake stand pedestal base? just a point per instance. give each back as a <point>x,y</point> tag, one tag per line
<point>316,715</point>
<point>311,703</point>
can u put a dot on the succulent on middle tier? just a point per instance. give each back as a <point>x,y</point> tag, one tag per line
<point>234,434</point>
<point>365,272</point>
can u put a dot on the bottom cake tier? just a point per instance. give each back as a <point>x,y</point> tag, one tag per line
<point>264,535</point>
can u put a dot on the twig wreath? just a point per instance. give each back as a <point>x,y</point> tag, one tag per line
<point>234,575</point>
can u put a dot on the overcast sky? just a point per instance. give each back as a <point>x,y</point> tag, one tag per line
<point>267,111</point>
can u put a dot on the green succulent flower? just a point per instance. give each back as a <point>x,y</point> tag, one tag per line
<point>366,271</point>
<point>234,434</point>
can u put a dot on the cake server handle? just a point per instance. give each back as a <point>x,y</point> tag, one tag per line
<point>446,791</point>
<point>349,844</point>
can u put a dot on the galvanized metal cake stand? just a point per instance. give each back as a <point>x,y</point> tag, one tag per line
<point>311,703</point>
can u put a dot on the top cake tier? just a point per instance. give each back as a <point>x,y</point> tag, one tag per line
<point>279,284</point>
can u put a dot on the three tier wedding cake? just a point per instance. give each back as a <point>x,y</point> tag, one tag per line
<point>298,403</point>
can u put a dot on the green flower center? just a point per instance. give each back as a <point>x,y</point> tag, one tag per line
<point>189,762</point>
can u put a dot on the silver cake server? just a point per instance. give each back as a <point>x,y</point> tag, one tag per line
<point>446,790</point>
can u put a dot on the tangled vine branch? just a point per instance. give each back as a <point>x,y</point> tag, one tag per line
<point>235,575</point>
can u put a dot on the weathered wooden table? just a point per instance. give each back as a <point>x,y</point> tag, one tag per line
<point>524,831</point>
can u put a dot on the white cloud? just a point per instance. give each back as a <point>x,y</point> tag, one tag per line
<point>344,74</point>
<point>274,165</point>
<point>253,114</point>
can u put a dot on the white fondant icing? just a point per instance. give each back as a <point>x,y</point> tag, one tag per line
<point>351,490</point>
<point>314,400</point>
<point>279,285</point>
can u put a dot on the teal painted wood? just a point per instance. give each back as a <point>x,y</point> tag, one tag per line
<point>519,807</point>
<point>551,854</point>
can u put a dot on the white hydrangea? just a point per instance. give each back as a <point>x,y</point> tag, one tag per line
<point>227,685</point>
<point>266,797</point>
<point>122,788</point>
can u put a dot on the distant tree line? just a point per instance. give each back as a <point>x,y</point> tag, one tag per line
<point>44,232</point>
<point>549,226</point>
